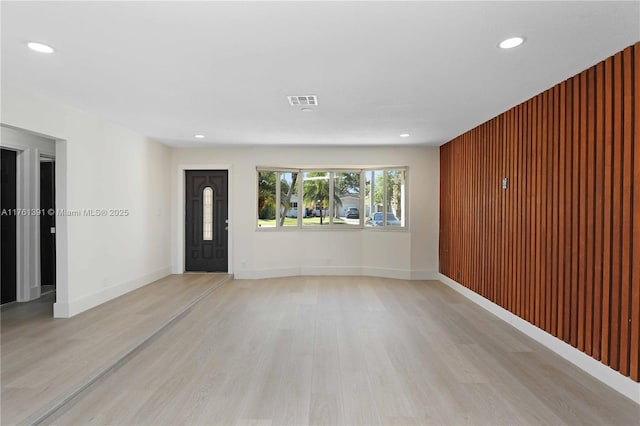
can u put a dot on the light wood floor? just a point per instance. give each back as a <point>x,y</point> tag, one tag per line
<point>343,350</point>
<point>44,359</point>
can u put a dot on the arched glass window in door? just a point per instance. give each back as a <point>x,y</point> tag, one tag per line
<point>207,214</point>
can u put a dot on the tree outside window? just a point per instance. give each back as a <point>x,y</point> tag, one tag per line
<point>294,198</point>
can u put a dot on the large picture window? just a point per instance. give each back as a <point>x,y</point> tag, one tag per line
<point>331,198</point>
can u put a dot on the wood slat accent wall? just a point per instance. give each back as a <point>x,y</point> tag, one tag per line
<point>560,247</point>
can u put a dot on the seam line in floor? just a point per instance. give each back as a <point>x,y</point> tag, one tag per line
<point>41,417</point>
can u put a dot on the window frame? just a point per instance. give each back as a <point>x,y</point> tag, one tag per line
<point>332,171</point>
<point>385,203</point>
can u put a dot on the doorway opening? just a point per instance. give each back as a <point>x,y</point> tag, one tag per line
<point>29,248</point>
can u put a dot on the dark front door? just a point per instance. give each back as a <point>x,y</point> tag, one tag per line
<point>8,224</point>
<point>206,220</point>
<point>47,223</point>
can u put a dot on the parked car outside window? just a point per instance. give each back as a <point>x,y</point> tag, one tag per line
<point>376,220</point>
<point>352,213</point>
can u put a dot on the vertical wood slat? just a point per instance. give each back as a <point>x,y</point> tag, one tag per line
<point>521,167</point>
<point>543,139</point>
<point>561,209</point>
<point>625,283</point>
<point>535,230</point>
<point>568,206</point>
<point>634,343</point>
<point>548,143</point>
<point>599,211</point>
<point>513,219</point>
<point>555,144</point>
<point>582,208</point>
<point>561,246</point>
<point>575,216</point>
<point>540,218</point>
<point>614,332</point>
<point>528,252</point>
<point>590,208</point>
<point>606,240</point>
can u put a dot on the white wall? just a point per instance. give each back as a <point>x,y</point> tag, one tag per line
<point>254,254</point>
<point>105,167</point>
<point>29,148</point>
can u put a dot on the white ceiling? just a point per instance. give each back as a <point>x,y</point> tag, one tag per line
<point>169,70</point>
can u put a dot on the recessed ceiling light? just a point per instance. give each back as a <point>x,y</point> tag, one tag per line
<point>198,136</point>
<point>39,47</point>
<point>511,42</point>
<point>306,109</point>
<point>405,135</point>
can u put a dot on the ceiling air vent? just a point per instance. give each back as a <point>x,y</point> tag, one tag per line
<point>307,100</point>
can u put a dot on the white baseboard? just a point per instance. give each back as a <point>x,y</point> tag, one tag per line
<point>595,368</point>
<point>400,274</point>
<point>396,274</point>
<point>330,270</point>
<point>35,293</point>
<point>424,274</point>
<point>256,274</point>
<point>74,307</point>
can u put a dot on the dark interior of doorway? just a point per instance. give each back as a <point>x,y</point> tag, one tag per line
<point>8,205</point>
<point>47,226</point>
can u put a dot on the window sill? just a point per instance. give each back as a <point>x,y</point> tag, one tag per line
<point>332,228</point>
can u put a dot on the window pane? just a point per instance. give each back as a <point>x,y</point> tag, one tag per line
<point>207,214</point>
<point>346,201</point>
<point>395,198</point>
<point>288,199</point>
<point>332,198</point>
<point>266,199</point>
<point>315,189</point>
<point>374,198</point>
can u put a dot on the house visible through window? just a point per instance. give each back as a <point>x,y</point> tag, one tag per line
<point>331,198</point>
